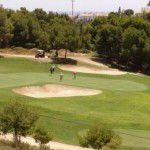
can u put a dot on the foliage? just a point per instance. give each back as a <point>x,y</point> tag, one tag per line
<point>129,12</point>
<point>123,39</point>
<point>42,136</point>
<point>133,43</point>
<point>5,28</point>
<point>17,118</point>
<point>108,42</point>
<point>99,136</point>
<point>148,4</point>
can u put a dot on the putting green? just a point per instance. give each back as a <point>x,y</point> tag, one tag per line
<point>24,78</point>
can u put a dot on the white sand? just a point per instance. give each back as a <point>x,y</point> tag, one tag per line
<point>54,90</point>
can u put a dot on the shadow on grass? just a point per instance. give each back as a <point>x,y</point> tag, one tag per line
<point>61,60</point>
<point>1,56</point>
<point>113,64</point>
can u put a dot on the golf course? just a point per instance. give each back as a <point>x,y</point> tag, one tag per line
<point>123,102</point>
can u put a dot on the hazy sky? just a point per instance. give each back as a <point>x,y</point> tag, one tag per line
<point>79,5</point>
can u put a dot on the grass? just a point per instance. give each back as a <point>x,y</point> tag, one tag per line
<point>140,134</point>
<point>123,105</point>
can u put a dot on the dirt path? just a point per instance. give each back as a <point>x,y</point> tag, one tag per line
<point>52,145</point>
<point>101,68</point>
<point>32,57</point>
<point>88,60</point>
<point>91,70</point>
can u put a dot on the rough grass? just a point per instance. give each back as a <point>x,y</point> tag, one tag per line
<point>124,103</point>
<point>8,145</point>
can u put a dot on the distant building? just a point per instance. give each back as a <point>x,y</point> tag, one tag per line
<point>90,16</point>
<point>143,11</point>
<point>86,17</point>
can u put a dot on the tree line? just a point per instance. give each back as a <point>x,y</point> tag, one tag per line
<point>120,37</point>
<point>123,39</point>
<point>38,29</point>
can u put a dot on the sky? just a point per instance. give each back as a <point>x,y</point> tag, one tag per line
<point>79,5</point>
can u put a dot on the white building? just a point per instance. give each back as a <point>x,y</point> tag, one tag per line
<point>90,16</point>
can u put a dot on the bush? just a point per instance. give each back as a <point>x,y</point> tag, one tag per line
<point>42,136</point>
<point>83,141</point>
<point>100,136</point>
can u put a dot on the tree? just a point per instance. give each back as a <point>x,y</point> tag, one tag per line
<point>139,23</point>
<point>5,28</point>
<point>108,41</point>
<point>67,38</point>
<point>133,44</point>
<point>43,40</point>
<point>20,31</point>
<point>42,136</point>
<point>146,51</point>
<point>99,136</point>
<point>17,118</point>
<point>40,14</point>
<point>129,12</point>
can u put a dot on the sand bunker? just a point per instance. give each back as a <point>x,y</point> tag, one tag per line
<point>91,70</point>
<point>54,90</point>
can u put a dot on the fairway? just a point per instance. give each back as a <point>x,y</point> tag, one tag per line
<point>123,104</point>
<point>27,78</point>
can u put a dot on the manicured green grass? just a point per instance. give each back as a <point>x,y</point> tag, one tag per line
<point>128,134</point>
<point>124,104</point>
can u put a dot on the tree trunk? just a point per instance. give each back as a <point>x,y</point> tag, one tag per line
<point>66,53</point>
<point>16,138</point>
<point>40,147</point>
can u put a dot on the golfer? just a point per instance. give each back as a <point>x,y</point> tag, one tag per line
<point>53,68</point>
<point>74,74</point>
<point>61,76</point>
